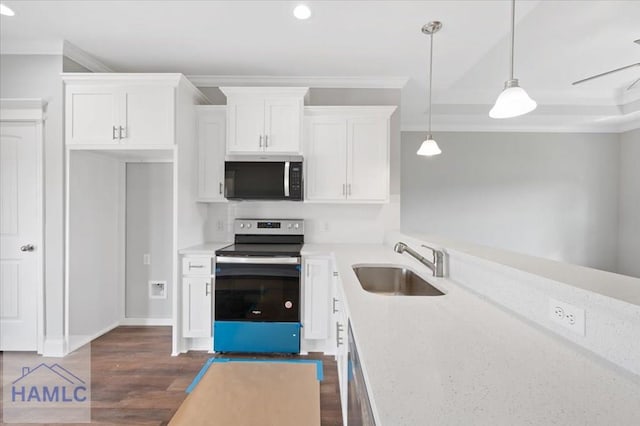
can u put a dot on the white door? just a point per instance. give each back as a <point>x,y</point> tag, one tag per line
<point>282,125</point>
<point>196,306</point>
<point>326,159</point>
<point>147,115</point>
<point>245,126</point>
<point>92,115</point>
<point>19,237</point>
<point>211,137</point>
<point>368,159</point>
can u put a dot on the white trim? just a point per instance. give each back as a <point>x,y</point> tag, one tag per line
<point>138,78</point>
<point>83,58</point>
<point>54,348</point>
<point>351,110</point>
<point>231,91</point>
<point>525,128</point>
<point>339,82</point>
<point>13,109</point>
<point>147,321</point>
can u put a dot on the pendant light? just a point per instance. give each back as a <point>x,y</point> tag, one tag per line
<point>430,147</point>
<point>513,101</point>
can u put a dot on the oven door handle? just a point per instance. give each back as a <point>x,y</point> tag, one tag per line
<point>259,260</point>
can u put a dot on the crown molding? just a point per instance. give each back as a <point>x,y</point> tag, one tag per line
<point>351,110</point>
<point>83,58</point>
<point>345,82</point>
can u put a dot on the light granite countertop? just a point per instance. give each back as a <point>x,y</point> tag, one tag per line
<point>458,359</point>
<point>206,249</point>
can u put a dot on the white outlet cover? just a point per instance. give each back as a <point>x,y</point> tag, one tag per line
<point>568,316</point>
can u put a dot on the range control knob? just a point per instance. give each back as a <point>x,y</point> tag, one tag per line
<point>289,226</point>
<point>242,225</point>
<point>248,225</point>
<point>297,225</point>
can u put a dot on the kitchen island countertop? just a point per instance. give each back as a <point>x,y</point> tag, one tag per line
<point>459,359</point>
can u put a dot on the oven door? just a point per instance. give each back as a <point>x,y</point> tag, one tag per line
<point>264,289</point>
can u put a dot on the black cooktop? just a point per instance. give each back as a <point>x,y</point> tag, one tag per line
<point>260,250</point>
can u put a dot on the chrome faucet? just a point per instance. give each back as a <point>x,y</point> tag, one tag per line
<point>436,266</point>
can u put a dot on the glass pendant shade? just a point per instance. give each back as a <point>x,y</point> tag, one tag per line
<point>512,102</point>
<point>429,147</point>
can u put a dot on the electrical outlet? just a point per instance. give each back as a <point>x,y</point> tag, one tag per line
<point>146,259</point>
<point>220,225</point>
<point>567,315</point>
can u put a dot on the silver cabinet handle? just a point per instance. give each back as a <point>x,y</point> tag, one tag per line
<point>220,187</point>
<point>344,189</point>
<point>207,289</point>
<point>123,133</point>
<point>349,189</point>
<point>195,266</point>
<point>115,129</point>
<point>260,141</point>
<point>339,329</point>
<point>266,141</point>
<point>333,308</point>
<point>27,247</point>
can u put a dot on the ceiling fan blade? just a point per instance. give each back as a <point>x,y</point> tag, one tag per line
<point>605,73</point>
<point>633,84</point>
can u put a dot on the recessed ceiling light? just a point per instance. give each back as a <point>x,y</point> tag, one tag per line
<point>302,11</point>
<point>6,11</point>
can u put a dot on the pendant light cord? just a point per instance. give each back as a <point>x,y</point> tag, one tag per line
<point>430,78</point>
<point>513,36</point>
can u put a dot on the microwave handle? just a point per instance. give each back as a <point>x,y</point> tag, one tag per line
<point>286,178</point>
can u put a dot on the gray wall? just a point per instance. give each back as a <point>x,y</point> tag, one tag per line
<point>149,225</point>
<point>38,76</point>
<point>548,195</point>
<point>69,65</point>
<point>629,242</point>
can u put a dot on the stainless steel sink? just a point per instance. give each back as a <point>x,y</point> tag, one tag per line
<point>394,281</point>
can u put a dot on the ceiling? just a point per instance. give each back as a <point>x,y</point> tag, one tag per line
<point>557,42</point>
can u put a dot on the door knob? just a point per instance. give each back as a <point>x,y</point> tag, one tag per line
<point>28,247</point>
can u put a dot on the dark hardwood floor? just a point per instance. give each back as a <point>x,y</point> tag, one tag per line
<point>136,381</point>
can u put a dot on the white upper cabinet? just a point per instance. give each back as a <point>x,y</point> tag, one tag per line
<point>121,109</point>
<point>92,114</point>
<point>264,120</point>
<point>211,152</point>
<point>347,154</point>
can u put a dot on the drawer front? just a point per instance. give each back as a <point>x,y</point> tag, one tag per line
<point>197,265</point>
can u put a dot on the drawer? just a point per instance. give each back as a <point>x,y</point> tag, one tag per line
<point>197,265</point>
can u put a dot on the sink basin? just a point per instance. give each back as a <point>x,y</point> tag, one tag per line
<point>394,281</point>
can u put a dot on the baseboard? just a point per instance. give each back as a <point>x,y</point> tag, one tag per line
<point>147,321</point>
<point>55,348</point>
<point>76,342</point>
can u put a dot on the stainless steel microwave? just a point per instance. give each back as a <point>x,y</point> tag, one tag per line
<point>278,178</point>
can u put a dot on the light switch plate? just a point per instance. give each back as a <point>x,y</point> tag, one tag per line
<point>567,315</point>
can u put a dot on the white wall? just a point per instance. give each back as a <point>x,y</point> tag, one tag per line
<point>629,231</point>
<point>95,296</point>
<point>548,195</point>
<point>38,76</point>
<point>149,230</point>
<point>324,223</point>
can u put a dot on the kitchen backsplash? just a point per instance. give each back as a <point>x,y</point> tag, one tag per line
<point>324,223</point>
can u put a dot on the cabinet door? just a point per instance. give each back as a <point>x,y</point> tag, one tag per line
<point>211,150</point>
<point>317,293</point>
<point>92,115</point>
<point>148,115</point>
<point>368,159</point>
<point>245,126</point>
<point>282,125</point>
<point>325,158</point>
<point>196,306</point>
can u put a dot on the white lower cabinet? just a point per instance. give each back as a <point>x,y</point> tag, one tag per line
<point>340,319</point>
<point>317,292</point>
<point>197,296</point>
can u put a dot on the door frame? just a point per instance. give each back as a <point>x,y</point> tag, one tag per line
<point>29,110</point>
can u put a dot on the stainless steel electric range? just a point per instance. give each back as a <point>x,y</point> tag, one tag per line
<point>257,288</point>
